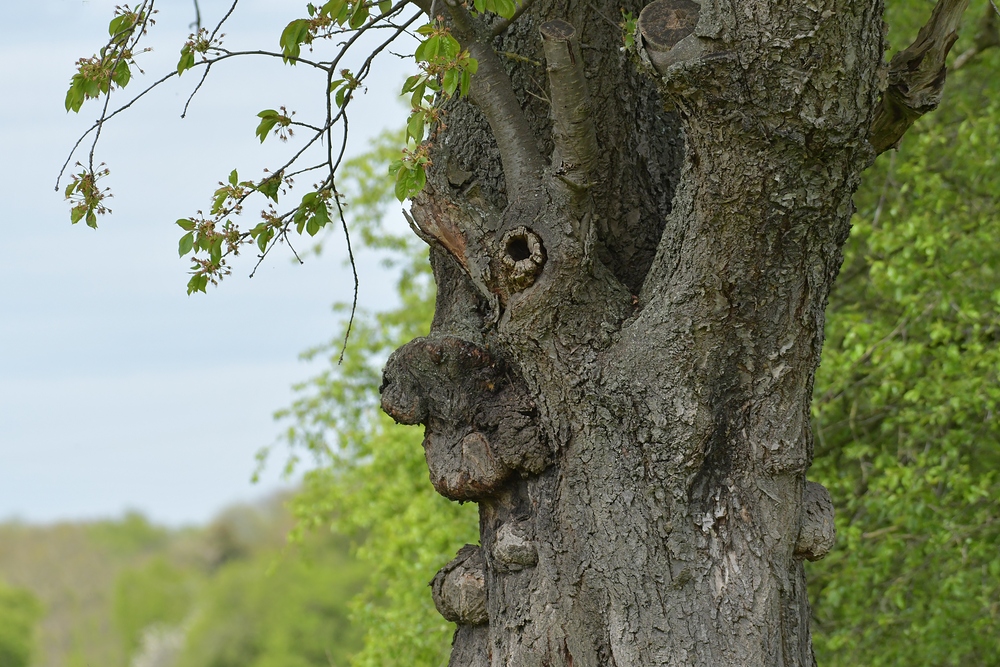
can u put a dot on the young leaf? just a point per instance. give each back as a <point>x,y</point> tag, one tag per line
<point>186,243</point>
<point>294,34</point>
<point>415,126</point>
<point>187,59</point>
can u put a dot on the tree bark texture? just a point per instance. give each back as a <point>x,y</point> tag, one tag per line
<point>630,313</point>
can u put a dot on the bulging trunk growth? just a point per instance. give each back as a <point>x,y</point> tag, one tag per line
<point>633,261</point>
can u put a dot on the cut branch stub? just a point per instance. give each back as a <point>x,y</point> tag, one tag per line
<point>459,588</point>
<point>916,76</point>
<point>523,258</point>
<point>817,533</point>
<point>573,132</point>
<point>663,25</point>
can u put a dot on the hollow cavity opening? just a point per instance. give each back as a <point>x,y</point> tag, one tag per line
<point>517,248</point>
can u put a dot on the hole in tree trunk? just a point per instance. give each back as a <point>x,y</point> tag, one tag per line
<point>517,248</point>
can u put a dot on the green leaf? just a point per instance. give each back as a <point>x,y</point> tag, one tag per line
<point>187,60</point>
<point>416,99</point>
<point>410,83</point>
<point>122,74</point>
<point>402,187</point>
<point>185,224</point>
<point>450,83</point>
<point>75,95</point>
<point>186,243</point>
<point>384,6</point>
<point>415,126</point>
<point>264,128</point>
<point>419,179</point>
<point>234,178</point>
<point>359,16</point>
<point>504,8</point>
<point>215,249</point>
<point>294,34</point>
<point>197,283</point>
<point>322,216</point>
<point>450,48</point>
<point>269,187</point>
<point>332,8</point>
<point>264,238</point>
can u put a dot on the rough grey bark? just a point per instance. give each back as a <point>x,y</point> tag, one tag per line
<point>621,362</point>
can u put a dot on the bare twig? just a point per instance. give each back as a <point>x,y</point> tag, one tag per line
<point>197,18</point>
<point>201,82</point>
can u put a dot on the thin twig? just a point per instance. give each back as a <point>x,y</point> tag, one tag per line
<point>218,26</point>
<point>208,68</point>
<point>147,12</point>
<point>197,18</point>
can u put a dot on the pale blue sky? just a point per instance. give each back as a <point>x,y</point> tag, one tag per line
<point>116,389</point>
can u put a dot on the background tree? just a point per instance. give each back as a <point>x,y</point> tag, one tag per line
<point>617,373</point>
<point>20,612</point>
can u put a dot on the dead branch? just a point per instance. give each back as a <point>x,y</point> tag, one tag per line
<point>916,76</point>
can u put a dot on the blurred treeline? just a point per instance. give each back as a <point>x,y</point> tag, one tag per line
<point>124,592</point>
<point>906,431</point>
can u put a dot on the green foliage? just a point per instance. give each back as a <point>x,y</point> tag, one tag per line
<point>132,535</point>
<point>445,68</point>
<point>20,611</point>
<point>372,485</point>
<point>97,75</point>
<point>72,569</point>
<point>86,196</point>
<point>158,593</point>
<point>907,396</point>
<point>629,26</point>
<point>277,610</point>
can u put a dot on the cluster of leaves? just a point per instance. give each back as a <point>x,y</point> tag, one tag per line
<point>86,196</point>
<point>325,20</point>
<point>202,43</point>
<point>112,66</point>
<point>96,76</point>
<point>907,398</point>
<point>444,69</point>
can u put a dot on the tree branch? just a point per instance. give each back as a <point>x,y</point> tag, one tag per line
<point>575,155</point>
<point>493,92</point>
<point>916,76</point>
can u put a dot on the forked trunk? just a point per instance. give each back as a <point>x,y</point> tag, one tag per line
<point>622,358</point>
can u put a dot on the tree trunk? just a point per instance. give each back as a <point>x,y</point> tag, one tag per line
<point>622,358</point>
